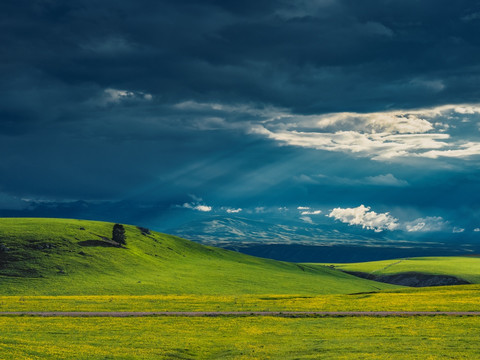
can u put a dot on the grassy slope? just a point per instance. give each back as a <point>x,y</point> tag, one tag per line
<point>45,258</point>
<point>466,267</point>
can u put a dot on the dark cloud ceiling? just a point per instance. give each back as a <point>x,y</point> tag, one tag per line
<point>155,100</point>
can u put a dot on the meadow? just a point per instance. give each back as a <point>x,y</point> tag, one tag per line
<point>442,298</point>
<point>72,265</point>
<point>240,338</point>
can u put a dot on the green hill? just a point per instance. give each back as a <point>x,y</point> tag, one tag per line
<point>77,257</point>
<point>462,267</point>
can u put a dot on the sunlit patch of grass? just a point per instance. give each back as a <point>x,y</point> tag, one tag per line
<point>450,298</point>
<point>463,267</point>
<point>46,257</point>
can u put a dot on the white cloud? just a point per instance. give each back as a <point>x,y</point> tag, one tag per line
<point>233,211</point>
<point>394,122</point>
<point>362,216</point>
<point>203,208</point>
<point>458,230</point>
<point>429,223</point>
<point>305,210</point>
<point>115,96</point>
<point>396,135</point>
<point>379,146</point>
<point>465,150</point>
<point>312,212</point>
<point>476,229</point>
<point>307,219</point>
<point>381,135</point>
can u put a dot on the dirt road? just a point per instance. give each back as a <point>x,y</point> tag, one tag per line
<point>292,314</point>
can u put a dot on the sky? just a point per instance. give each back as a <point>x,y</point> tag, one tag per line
<point>341,112</point>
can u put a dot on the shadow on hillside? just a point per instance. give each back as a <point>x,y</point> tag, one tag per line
<point>103,243</point>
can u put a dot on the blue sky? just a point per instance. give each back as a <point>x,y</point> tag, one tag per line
<point>363,113</point>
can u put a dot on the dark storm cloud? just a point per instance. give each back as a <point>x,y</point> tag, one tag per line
<point>151,101</point>
<point>305,55</point>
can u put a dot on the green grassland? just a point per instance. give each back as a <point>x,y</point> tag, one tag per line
<point>463,267</point>
<point>443,298</point>
<point>75,257</point>
<point>71,265</point>
<point>437,337</point>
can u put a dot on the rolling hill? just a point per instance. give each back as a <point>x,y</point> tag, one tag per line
<point>466,269</point>
<point>78,257</point>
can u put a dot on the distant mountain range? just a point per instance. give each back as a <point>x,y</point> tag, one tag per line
<point>223,230</point>
<point>281,235</point>
<point>290,240</point>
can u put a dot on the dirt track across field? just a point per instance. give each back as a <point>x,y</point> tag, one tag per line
<point>289,314</point>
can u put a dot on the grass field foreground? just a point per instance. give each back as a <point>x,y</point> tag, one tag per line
<point>240,338</point>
